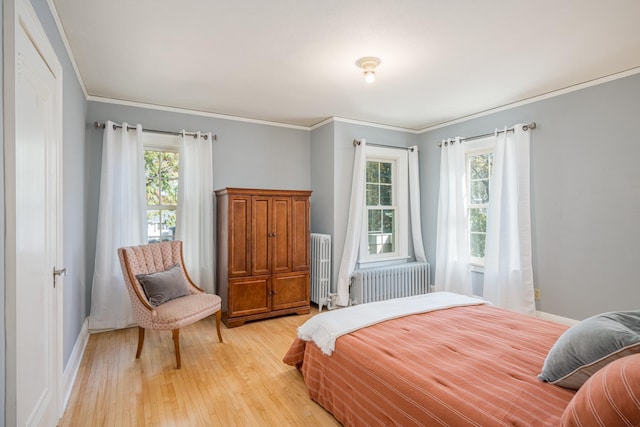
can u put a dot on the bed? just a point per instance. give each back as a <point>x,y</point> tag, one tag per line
<point>472,364</point>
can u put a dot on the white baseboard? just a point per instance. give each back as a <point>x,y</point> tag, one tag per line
<point>71,370</point>
<point>555,318</point>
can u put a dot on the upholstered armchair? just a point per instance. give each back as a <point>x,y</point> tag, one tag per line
<point>162,294</point>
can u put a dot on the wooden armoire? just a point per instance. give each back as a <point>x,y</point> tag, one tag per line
<point>263,253</point>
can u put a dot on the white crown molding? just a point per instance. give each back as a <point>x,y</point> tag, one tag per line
<point>531,100</point>
<point>67,46</point>
<point>322,123</point>
<point>243,119</point>
<point>362,123</point>
<point>374,125</point>
<point>193,112</point>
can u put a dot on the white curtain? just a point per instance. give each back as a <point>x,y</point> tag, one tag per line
<point>453,268</point>
<point>121,222</point>
<point>414,201</point>
<point>354,224</point>
<point>195,208</point>
<point>508,271</point>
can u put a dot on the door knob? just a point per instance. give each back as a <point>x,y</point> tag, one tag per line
<point>56,273</point>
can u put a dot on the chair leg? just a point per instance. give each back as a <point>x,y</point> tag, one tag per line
<point>218,318</point>
<point>176,344</point>
<point>140,341</point>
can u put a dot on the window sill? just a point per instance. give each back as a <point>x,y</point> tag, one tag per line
<point>382,262</point>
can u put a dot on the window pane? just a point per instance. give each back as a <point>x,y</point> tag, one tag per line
<point>373,245</point>
<point>385,173</point>
<point>373,194</point>
<point>478,220</point>
<point>386,195</point>
<point>169,165</point>
<point>153,193</point>
<point>480,191</point>
<point>480,166</point>
<point>387,220</point>
<point>477,244</point>
<point>168,225</point>
<point>151,163</point>
<point>387,244</point>
<point>151,168</point>
<point>381,237</point>
<point>153,225</point>
<point>380,244</point>
<point>372,172</point>
<point>375,221</point>
<point>169,193</point>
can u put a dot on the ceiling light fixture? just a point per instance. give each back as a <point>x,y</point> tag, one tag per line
<point>368,65</point>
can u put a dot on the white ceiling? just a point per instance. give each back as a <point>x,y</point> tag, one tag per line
<point>293,61</point>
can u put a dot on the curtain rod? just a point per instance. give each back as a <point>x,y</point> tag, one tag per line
<point>531,125</point>
<point>357,142</point>
<point>166,132</point>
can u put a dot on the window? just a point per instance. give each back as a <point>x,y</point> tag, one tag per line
<point>385,217</point>
<point>161,165</point>
<point>381,209</point>
<point>479,160</point>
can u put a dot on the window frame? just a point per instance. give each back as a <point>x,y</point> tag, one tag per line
<point>400,194</point>
<point>473,148</point>
<point>161,143</point>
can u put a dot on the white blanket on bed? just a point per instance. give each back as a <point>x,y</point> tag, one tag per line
<point>325,328</point>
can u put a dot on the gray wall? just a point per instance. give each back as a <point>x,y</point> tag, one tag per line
<point>3,348</point>
<point>322,179</point>
<point>585,191</point>
<point>245,154</point>
<point>338,187</point>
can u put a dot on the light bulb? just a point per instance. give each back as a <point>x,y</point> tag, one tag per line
<point>369,76</point>
<point>368,65</point>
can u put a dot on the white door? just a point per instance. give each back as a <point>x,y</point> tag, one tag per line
<point>37,229</point>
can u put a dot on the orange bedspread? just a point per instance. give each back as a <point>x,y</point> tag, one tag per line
<point>474,365</point>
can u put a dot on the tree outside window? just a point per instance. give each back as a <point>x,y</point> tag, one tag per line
<point>479,166</point>
<point>162,173</point>
<point>385,228</point>
<point>380,208</point>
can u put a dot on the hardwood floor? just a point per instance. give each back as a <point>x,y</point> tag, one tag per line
<point>241,382</point>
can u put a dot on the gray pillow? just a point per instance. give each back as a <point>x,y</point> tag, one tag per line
<point>589,345</point>
<point>165,285</point>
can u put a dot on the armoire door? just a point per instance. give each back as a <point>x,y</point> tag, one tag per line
<point>281,235</point>
<point>260,237</point>
<point>249,295</point>
<point>239,236</point>
<point>289,290</point>
<point>300,248</point>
